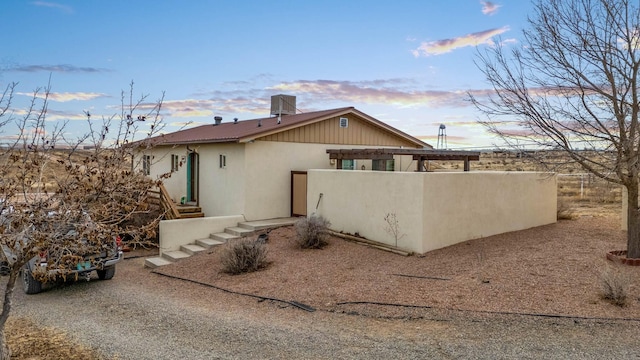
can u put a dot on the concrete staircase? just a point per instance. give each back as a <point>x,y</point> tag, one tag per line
<point>243,229</point>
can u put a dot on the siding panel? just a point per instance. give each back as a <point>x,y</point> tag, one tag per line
<point>358,132</point>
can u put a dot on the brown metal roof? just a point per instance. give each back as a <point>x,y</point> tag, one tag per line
<point>247,130</point>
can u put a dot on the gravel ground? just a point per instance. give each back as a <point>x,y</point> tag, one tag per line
<point>143,315</point>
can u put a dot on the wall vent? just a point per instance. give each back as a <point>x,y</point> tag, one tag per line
<point>344,122</point>
<point>283,105</point>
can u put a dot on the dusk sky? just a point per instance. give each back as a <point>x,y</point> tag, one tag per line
<point>407,63</point>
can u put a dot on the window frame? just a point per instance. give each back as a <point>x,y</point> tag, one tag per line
<point>146,164</point>
<point>175,162</point>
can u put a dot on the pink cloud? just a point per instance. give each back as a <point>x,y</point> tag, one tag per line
<point>444,46</point>
<point>371,92</point>
<point>67,96</point>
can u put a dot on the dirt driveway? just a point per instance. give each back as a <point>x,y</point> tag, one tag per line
<point>138,316</point>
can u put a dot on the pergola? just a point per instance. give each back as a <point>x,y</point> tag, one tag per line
<point>421,155</point>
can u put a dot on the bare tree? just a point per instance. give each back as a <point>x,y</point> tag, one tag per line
<point>573,86</point>
<point>49,183</point>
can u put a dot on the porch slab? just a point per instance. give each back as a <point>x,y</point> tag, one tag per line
<point>268,223</point>
<point>238,231</point>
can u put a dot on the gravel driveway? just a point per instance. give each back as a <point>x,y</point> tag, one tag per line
<point>141,315</point>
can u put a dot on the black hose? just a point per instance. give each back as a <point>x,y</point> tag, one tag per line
<point>422,277</point>
<point>297,304</point>
<point>311,309</point>
<point>554,316</point>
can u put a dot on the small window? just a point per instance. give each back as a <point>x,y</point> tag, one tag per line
<point>223,161</point>
<point>175,162</point>
<point>348,164</point>
<point>344,122</point>
<point>146,164</point>
<point>382,165</point>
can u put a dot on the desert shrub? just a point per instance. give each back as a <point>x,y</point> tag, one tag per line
<point>565,211</point>
<point>312,232</point>
<point>243,255</point>
<point>614,285</point>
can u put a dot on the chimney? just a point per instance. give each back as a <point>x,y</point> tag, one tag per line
<point>218,120</point>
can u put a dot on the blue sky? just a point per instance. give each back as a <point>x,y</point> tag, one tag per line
<point>407,63</point>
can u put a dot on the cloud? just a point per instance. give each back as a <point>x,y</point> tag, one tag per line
<point>185,108</point>
<point>444,46</point>
<point>392,91</point>
<point>489,8</point>
<point>68,96</point>
<point>55,115</point>
<point>62,68</point>
<point>63,8</point>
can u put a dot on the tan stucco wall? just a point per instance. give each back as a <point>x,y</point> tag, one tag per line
<point>465,206</point>
<point>434,210</point>
<point>222,190</point>
<point>175,233</point>
<point>176,185</point>
<point>268,188</point>
<point>256,181</point>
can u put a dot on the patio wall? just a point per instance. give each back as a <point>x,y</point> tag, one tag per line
<point>433,210</point>
<point>175,233</point>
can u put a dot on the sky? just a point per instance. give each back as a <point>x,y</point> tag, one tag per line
<point>407,63</point>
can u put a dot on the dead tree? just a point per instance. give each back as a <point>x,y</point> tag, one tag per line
<point>44,190</point>
<point>572,85</point>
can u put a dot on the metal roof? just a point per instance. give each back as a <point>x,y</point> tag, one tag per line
<point>247,130</point>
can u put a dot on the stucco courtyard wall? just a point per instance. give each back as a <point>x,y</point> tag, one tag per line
<point>433,210</point>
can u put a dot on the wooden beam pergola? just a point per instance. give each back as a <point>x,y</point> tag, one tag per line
<point>421,155</point>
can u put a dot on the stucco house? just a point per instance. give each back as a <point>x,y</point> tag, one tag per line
<point>257,167</point>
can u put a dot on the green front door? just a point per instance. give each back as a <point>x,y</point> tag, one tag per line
<point>192,177</point>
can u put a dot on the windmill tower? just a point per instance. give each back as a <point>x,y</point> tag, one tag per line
<point>442,137</point>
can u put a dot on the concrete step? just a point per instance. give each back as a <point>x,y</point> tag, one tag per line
<point>210,242</point>
<point>192,249</point>
<point>175,255</point>
<point>224,237</point>
<point>155,262</point>
<point>271,223</point>
<point>238,231</point>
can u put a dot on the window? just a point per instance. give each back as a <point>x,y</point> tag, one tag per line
<point>349,164</point>
<point>223,161</point>
<point>146,164</point>
<point>382,165</point>
<point>344,122</point>
<point>175,162</point>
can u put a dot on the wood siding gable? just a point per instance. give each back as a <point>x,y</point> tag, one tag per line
<point>357,132</point>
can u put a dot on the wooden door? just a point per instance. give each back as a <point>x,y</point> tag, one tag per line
<point>298,193</point>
